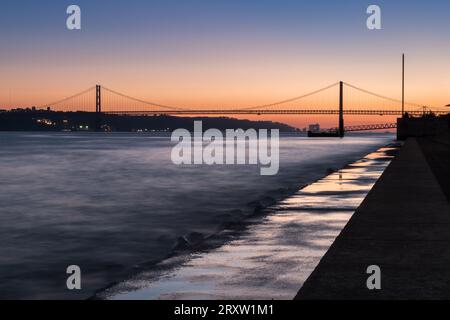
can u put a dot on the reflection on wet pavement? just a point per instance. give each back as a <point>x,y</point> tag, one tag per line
<point>274,256</point>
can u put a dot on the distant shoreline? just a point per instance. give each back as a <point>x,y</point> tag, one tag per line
<point>52,121</point>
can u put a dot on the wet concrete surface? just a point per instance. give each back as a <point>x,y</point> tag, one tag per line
<point>402,226</point>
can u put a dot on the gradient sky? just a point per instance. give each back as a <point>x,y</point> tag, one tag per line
<point>227,52</point>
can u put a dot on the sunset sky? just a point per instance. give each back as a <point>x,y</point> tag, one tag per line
<point>221,53</point>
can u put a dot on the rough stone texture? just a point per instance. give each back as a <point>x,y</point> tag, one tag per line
<point>403,226</point>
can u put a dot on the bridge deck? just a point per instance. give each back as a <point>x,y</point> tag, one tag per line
<point>270,111</point>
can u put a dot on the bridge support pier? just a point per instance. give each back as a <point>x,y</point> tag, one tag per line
<point>341,109</point>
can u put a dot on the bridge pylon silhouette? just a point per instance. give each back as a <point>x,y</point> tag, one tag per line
<point>98,107</point>
<point>341,109</point>
<point>98,98</point>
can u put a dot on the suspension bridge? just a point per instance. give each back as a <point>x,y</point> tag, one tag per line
<point>340,99</point>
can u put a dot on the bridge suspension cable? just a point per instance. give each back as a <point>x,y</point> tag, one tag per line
<point>58,102</point>
<point>143,101</point>
<point>309,103</point>
<point>263,106</point>
<point>381,96</point>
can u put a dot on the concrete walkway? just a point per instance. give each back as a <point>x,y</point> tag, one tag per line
<point>403,226</point>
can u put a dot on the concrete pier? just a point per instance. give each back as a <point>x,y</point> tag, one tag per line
<point>403,226</point>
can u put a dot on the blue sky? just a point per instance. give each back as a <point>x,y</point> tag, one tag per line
<point>129,43</point>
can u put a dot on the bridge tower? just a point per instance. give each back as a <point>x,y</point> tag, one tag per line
<point>341,109</point>
<point>98,98</point>
<point>98,107</point>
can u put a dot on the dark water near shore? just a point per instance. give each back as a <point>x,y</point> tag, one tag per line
<point>113,204</point>
<point>275,254</point>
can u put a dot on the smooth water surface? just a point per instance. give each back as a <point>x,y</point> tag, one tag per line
<point>115,204</point>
